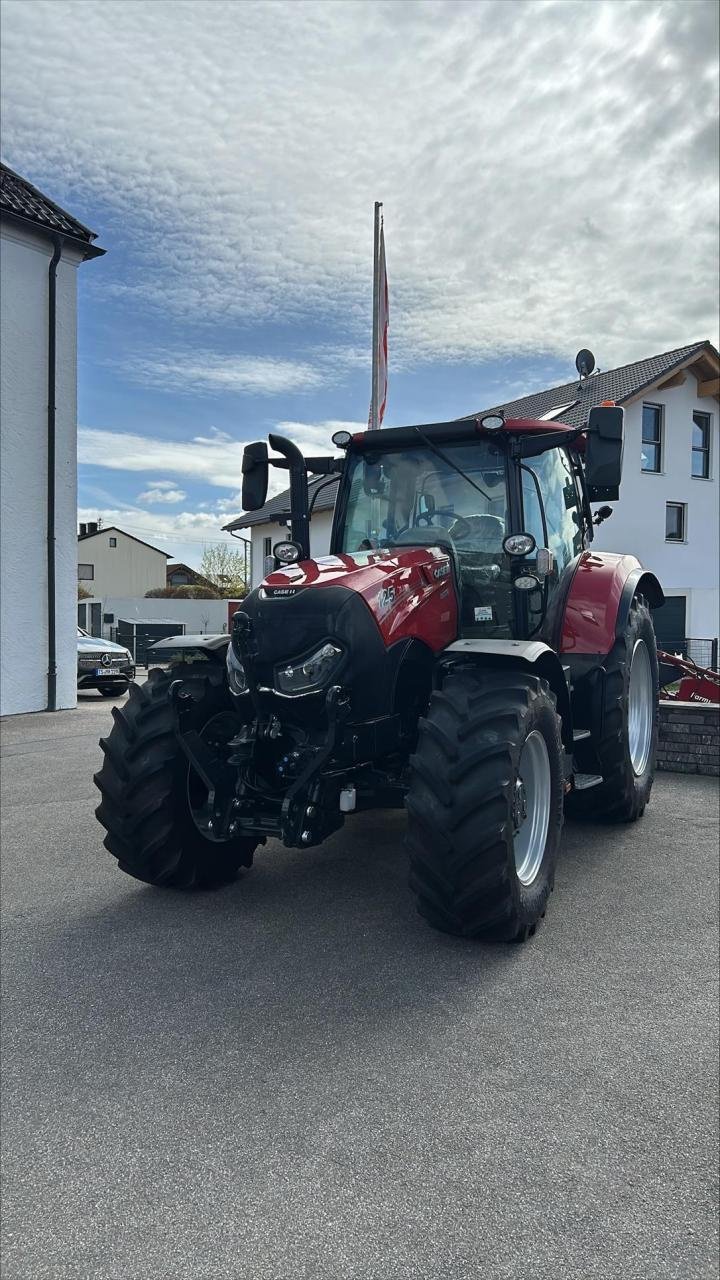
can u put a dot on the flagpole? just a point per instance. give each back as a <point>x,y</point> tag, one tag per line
<point>374,405</point>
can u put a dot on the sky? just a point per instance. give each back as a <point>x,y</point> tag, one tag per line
<point>548,172</point>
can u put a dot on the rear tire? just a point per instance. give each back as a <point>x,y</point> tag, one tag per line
<point>146,784</point>
<point>627,745</point>
<point>474,871</point>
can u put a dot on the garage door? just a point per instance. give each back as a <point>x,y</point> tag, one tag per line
<point>670,623</point>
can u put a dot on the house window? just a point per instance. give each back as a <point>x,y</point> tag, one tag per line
<point>651,451</point>
<point>675,521</point>
<point>267,546</point>
<point>86,572</point>
<point>701,445</point>
<point>113,542</point>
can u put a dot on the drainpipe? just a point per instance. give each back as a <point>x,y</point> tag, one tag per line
<point>52,332</point>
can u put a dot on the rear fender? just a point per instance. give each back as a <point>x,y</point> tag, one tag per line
<point>598,602</point>
<point>533,656</point>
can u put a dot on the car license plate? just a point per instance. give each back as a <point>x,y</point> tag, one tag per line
<point>104,671</point>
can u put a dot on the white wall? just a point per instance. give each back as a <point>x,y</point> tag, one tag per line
<point>202,616</point>
<point>129,569</point>
<point>24,262</point>
<point>320,529</point>
<point>638,521</point>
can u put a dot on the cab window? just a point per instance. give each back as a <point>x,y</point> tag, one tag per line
<point>561,529</point>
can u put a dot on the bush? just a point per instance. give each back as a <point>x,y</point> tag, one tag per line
<point>186,592</point>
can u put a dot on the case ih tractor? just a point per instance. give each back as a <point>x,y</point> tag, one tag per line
<point>461,652</point>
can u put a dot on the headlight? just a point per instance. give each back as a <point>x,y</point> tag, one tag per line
<point>236,672</point>
<point>128,655</point>
<point>308,673</point>
<point>518,544</point>
<point>287,552</point>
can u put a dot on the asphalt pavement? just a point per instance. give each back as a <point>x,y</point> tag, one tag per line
<point>295,1078</point>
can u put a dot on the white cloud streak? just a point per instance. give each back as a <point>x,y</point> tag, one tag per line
<point>212,459</point>
<point>164,495</point>
<point>548,168</point>
<point>206,372</point>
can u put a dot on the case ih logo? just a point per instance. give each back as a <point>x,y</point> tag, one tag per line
<point>441,570</point>
<point>281,591</point>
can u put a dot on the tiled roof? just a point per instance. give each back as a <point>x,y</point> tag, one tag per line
<point>276,507</point>
<point>21,198</point>
<point>614,384</point>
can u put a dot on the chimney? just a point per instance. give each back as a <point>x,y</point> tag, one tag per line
<point>83,530</point>
<point>92,527</point>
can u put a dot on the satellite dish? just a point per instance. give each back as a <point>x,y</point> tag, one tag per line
<point>584,362</point>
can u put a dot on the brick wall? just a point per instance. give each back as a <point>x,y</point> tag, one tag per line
<point>689,740</point>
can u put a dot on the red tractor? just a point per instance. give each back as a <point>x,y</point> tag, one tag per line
<point>461,652</point>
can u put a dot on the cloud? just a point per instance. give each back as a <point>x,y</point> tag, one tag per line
<point>212,459</point>
<point>155,495</point>
<point>204,371</point>
<point>549,181</point>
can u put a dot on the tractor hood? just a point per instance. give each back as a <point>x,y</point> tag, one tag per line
<point>392,583</point>
<point>375,607</point>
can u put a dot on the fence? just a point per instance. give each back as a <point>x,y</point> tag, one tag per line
<point>704,653</point>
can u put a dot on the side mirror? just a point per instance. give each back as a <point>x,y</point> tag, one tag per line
<point>255,469</point>
<point>604,453</point>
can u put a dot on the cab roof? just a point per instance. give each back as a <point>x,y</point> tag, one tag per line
<point>457,430</point>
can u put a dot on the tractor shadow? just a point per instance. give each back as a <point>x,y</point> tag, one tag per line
<point>305,945</point>
<point>307,948</point>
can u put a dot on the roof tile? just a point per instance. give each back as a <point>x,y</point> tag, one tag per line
<point>20,197</point>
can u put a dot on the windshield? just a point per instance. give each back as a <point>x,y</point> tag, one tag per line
<point>406,497</point>
<point>395,495</point>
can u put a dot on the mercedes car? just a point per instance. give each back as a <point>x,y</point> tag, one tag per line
<point>103,665</point>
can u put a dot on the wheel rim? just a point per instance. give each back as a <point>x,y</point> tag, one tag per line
<point>641,701</point>
<point>531,808</point>
<point>216,733</point>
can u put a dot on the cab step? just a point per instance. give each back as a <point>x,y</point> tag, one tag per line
<point>584,781</point>
<point>579,735</point>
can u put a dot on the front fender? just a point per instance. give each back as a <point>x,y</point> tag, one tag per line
<point>532,655</point>
<point>599,599</point>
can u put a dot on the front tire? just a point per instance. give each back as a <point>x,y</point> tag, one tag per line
<point>152,801</point>
<point>485,805</point>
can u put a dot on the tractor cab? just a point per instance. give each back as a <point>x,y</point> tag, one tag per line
<point>510,523</point>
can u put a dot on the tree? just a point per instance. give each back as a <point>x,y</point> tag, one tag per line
<point>83,593</point>
<point>225,568</point>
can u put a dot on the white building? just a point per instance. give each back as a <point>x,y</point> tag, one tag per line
<point>667,514</point>
<point>41,247</point>
<point>114,563</point>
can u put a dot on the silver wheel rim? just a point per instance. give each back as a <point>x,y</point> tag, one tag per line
<point>641,700</point>
<point>531,808</point>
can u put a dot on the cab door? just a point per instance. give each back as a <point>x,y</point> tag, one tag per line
<point>552,513</point>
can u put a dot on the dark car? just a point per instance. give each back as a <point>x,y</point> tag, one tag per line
<point>103,665</point>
